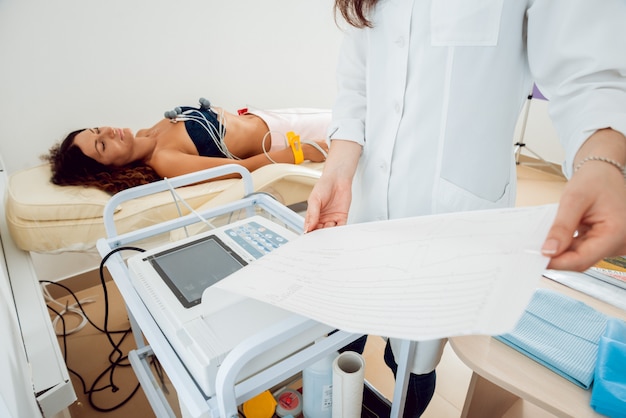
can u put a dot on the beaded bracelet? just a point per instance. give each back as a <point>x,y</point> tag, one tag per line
<point>614,163</point>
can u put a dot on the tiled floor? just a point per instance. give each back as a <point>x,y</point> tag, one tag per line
<point>88,350</point>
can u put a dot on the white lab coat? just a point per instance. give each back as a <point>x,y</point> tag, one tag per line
<point>433,92</point>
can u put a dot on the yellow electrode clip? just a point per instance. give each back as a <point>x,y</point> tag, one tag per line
<point>296,146</point>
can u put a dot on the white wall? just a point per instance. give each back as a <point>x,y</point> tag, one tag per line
<point>541,136</point>
<point>67,64</point>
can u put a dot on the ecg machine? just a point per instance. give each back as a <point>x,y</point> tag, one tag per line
<point>201,322</point>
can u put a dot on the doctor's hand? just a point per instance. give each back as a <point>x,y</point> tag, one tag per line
<point>328,205</point>
<point>330,199</point>
<point>591,220</point>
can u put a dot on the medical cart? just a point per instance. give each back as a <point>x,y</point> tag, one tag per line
<point>230,390</point>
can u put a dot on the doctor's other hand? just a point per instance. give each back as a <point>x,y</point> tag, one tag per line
<point>328,204</point>
<point>591,220</point>
<point>330,199</point>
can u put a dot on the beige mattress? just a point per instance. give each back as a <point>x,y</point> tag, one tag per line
<point>46,218</point>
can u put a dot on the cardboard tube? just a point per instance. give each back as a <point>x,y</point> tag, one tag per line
<point>348,380</point>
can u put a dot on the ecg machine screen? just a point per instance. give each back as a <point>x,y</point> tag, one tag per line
<point>189,269</point>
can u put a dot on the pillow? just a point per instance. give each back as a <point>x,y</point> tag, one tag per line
<point>34,197</point>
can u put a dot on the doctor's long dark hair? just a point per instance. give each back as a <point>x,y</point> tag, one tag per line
<point>355,11</point>
<point>70,167</point>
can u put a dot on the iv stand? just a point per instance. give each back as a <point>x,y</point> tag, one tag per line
<point>521,145</point>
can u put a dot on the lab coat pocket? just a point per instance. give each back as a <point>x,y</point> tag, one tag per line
<point>465,22</point>
<point>451,197</point>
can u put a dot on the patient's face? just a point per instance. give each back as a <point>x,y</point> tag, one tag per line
<point>108,146</point>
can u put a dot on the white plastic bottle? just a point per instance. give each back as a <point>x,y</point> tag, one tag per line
<point>317,388</point>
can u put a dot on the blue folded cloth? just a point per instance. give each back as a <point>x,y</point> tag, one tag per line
<point>561,333</point>
<point>608,395</point>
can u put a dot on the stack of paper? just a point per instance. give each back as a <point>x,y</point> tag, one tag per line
<point>417,278</point>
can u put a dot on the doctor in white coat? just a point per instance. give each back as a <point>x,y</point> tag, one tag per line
<point>429,92</point>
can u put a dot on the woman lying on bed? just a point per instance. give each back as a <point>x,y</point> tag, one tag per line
<point>187,140</point>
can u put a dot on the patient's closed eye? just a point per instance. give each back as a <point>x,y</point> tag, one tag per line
<point>98,141</point>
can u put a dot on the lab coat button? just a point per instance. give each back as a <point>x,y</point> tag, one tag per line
<point>400,41</point>
<point>397,107</point>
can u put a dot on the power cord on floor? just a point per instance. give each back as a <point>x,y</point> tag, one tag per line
<point>116,357</point>
<point>67,309</point>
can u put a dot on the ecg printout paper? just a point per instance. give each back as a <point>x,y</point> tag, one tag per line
<point>417,278</point>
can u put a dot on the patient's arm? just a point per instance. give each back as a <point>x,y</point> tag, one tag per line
<point>171,163</point>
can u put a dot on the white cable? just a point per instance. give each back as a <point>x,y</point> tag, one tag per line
<point>73,309</point>
<point>180,213</point>
<point>216,134</point>
<point>317,147</point>
<point>304,141</point>
<point>265,138</point>
<point>177,198</point>
<point>311,143</point>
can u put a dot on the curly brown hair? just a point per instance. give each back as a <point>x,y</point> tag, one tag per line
<point>70,167</point>
<point>355,11</point>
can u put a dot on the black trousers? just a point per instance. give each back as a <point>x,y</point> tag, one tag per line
<point>421,387</point>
